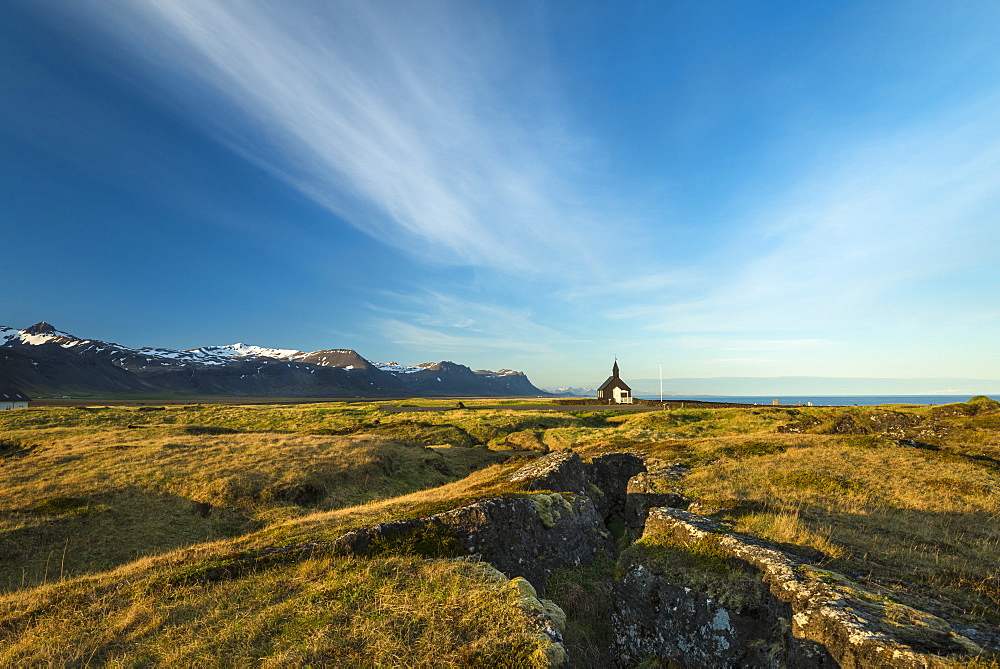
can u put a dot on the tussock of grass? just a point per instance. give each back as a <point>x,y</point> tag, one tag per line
<point>746,449</point>
<point>793,531</point>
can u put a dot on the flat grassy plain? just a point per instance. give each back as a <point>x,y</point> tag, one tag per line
<point>106,510</point>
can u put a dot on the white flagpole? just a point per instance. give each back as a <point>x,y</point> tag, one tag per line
<point>661,383</point>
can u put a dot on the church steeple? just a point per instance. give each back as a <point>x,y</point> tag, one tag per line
<point>614,390</point>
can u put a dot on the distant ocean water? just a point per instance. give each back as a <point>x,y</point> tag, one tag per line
<point>822,400</point>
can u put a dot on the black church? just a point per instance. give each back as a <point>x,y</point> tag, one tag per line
<point>614,390</point>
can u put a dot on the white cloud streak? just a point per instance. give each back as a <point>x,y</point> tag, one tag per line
<point>434,341</point>
<point>389,115</point>
<point>437,322</point>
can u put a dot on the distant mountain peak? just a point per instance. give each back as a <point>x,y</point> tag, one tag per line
<point>336,357</point>
<point>40,328</point>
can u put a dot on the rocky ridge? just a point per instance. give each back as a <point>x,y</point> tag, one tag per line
<point>780,609</point>
<point>42,360</point>
<point>803,616</point>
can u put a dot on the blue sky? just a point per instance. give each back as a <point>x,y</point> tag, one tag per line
<point>727,188</point>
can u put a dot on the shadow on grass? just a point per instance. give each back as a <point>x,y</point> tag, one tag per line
<point>62,537</point>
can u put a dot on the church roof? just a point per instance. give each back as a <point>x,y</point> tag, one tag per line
<point>614,381</point>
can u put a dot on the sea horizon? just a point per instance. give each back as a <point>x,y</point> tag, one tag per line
<point>821,400</point>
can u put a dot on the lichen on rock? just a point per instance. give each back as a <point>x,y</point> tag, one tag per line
<point>551,507</point>
<point>559,471</point>
<point>550,621</point>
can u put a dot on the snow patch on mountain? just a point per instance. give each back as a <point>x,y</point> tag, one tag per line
<point>241,350</point>
<point>27,337</point>
<point>396,368</point>
<point>582,392</point>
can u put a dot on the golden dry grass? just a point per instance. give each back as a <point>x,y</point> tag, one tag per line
<point>385,612</point>
<point>923,524</point>
<point>325,611</point>
<point>83,498</point>
<point>87,494</point>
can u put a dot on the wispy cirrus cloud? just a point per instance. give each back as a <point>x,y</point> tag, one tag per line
<point>447,324</point>
<point>854,241</point>
<point>436,342</point>
<point>405,120</point>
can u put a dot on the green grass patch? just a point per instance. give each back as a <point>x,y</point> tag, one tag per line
<point>748,449</point>
<point>701,565</point>
<point>67,506</point>
<point>585,595</point>
<point>824,483</point>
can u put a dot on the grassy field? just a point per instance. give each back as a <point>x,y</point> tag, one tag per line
<point>105,506</point>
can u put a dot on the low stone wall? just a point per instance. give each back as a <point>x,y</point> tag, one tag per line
<point>804,616</point>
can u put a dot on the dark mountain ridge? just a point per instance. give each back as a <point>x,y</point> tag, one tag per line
<point>42,360</point>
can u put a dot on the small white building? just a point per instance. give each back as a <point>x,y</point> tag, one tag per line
<point>12,398</point>
<point>614,390</point>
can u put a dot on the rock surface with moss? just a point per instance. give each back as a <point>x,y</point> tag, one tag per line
<point>693,591</point>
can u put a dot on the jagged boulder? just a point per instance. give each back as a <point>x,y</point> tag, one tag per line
<point>526,536</point>
<point>531,536</point>
<point>558,471</point>
<point>657,618</point>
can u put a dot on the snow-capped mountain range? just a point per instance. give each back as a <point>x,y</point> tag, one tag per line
<point>580,392</point>
<point>42,359</point>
